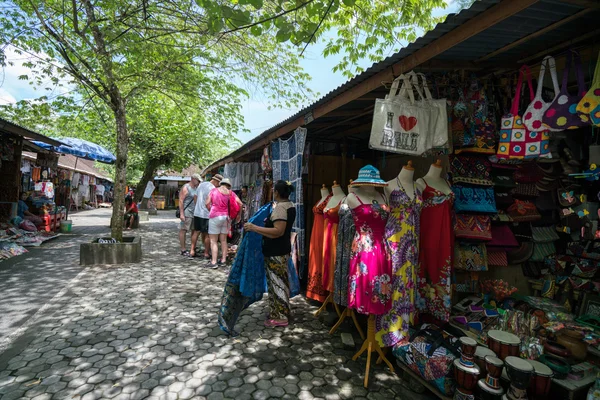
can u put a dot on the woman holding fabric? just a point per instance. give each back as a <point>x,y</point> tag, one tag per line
<point>276,248</point>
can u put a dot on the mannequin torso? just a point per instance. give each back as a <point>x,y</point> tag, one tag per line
<point>367,194</point>
<point>336,199</point>
<point>405,178</point>
<point>324,194</point>
<point>433,178</point>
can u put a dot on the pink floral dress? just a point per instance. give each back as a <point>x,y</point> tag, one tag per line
<point>369,279</point>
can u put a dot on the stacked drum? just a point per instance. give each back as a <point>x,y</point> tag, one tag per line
<point>519,372</point>
<point>465,370</point>
<point>489,388</point>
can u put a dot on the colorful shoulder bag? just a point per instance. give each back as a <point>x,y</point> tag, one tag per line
<point>516,141</point>
<point>562,113</point>
<point>535,112</point>
<point>589,106</point>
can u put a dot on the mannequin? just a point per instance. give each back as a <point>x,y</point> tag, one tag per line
<point>338,196</point>
<point>324,194</point>
<point>367,194</point>
<point>434,179</point>
<point>405,177</point>
<point>351,189</point>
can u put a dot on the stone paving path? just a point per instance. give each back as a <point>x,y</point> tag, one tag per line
<point>149,330</point>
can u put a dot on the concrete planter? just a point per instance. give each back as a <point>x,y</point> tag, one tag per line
<point>143,216</point>
<point>129,251</point>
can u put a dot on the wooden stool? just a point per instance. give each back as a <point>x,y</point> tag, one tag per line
<point>370,345</point>
<point>348,313</point>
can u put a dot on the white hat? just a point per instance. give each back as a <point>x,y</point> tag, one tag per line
<point>225,181</point>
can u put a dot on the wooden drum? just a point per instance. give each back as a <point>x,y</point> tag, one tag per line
<point>466,380</point>
<point>504,344</point>
<point>480,354</point>
<point>489,388</point>
<point>519,372</point>
<point>540,381</point>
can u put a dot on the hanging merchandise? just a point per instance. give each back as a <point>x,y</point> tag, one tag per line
<point>470,257</point>
<point>516,141</point>
<point>401,124</point>
<point>473,227</point>
<point>474,199</point>
<point>535,112</point>
<point>589,105</point>
<point>471,169</point>
<point>346,233</point>
<point>562,113</point>
<point>439,117</point>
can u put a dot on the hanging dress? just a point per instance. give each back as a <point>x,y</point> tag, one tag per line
<point>402,235</point>
<point>435,255</point>
<point>369,283</point>
<point>345,235</point>
<point>330,239</point>
<point>314,288</point>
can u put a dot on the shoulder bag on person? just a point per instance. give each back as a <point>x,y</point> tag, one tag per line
<point>178,213</point>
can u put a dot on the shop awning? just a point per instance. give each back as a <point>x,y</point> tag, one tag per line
<point>81,148</point>
<point>14,129</point>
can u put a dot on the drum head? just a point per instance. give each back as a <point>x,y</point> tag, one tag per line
<point>541,369</point>
<point>481,352</point>
<point>467,341</point>
<point>518,364</point>
<point>504,337</point>
<point>494,361</point>
<point>474,370</point>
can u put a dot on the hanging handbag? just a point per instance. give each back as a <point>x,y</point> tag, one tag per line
<point>588,107</point>
<point>474,199</point>
<point>562,113</point>
<point>470,257</point>
<point>516,141</point>
<point>535,112</point>
<point>473,227</point>
<point>401,124</point>
<point>438,123</point>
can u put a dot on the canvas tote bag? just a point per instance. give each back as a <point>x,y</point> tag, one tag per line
<point>535,112</point>
<point>589,106</point>
<point>401,124</point>
<point>438,122</point>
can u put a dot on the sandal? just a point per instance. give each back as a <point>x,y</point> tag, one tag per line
<point>185,253</point>
<point>272,323</point>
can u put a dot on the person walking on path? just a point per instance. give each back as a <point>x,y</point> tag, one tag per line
<point>276,248</point>
<point>187,201</point>
<point>201,214</point>
<point>219,203</point>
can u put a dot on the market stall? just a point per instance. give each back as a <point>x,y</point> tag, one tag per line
<point>468,242</point>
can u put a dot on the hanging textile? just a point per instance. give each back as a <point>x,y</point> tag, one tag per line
<point>247,280</point>
<point>287,166</point>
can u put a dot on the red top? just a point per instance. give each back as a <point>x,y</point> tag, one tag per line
<point>133,208</point>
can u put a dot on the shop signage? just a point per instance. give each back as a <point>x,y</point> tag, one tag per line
<point>47,160</point>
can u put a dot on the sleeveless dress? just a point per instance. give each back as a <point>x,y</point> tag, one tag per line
<point>330,239</point>
<point>402,235</point>
<point>370,283</point>
<point>314,288</point>
<point>345,236</point>
<point>436,252</point>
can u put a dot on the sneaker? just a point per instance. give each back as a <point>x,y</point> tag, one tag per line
<point>222,264</point>
<point>212,266</point>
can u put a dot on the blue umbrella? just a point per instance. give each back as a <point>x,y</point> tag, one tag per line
<point>81,148</point>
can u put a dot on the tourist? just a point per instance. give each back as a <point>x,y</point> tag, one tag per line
<point>131,212</point>
<point>201,214</point>
<point>219,203</point>
<point>187,202</point>
<point>277,248</point>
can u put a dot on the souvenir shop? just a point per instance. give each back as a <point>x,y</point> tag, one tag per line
<point>454,214</point>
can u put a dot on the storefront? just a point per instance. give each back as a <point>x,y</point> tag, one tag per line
<point>490,230</point>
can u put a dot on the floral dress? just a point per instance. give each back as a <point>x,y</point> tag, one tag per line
<point>435,255</point>
<point>369,282</point>
<point>402,235</point>
<point>315,289</point>
<point>345,236</point>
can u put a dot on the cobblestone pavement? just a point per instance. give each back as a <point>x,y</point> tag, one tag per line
<point>150,330</point>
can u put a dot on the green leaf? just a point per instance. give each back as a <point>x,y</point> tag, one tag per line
<point>256,30</point>
<point>283,35</point>
<point>257,4</point>
<point>349,3</point>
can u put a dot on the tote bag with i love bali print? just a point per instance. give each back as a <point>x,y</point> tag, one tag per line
<point>589,106</point>
<point>516,141</point>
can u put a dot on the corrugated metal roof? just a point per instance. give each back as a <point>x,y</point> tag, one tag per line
<point>15,129</point>
<point>72,163</point>
<point>520,25</point>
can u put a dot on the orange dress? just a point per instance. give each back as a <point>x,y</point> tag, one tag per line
<point>332,220</point>
<point>314,288</point>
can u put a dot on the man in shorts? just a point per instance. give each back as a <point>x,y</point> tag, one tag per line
<point>187,203</point>
<point>201,215</point>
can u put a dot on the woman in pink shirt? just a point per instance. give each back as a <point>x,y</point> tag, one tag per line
<point>218,202</point>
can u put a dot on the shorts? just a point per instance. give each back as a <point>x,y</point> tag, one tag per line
<point>187,224</point>
<point>218,225</point>
<point>201,224</point>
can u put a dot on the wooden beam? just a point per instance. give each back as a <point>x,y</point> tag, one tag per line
<point>472,27</point>
<point>560,46</point>
<point>535,34</point>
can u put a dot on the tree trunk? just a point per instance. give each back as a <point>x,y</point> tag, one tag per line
<point>116,224</point>
<point>148,175</point>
